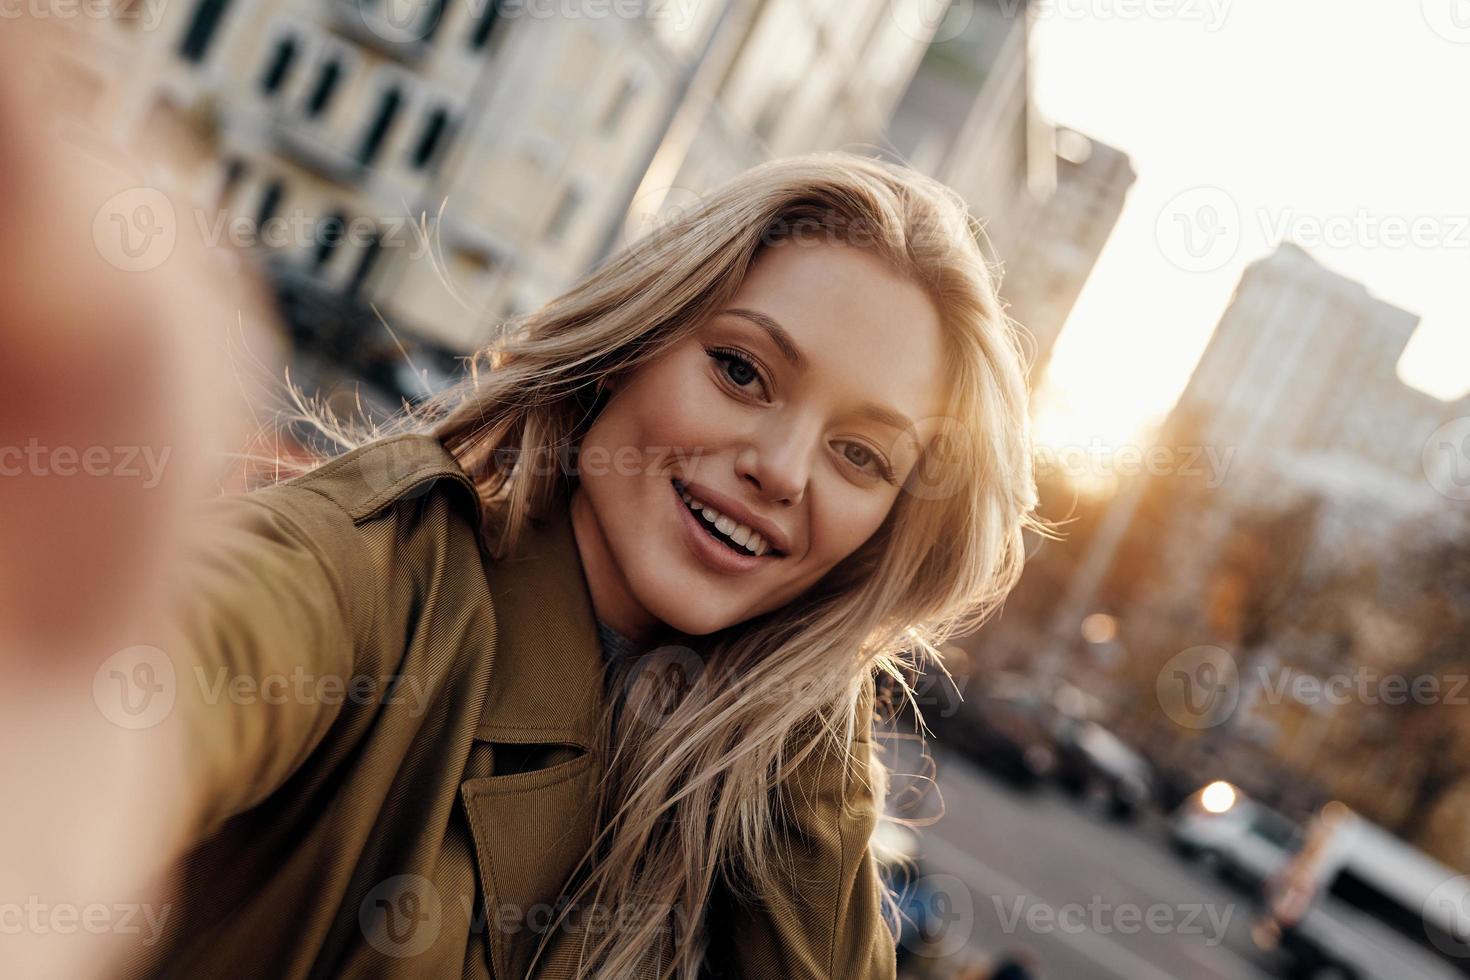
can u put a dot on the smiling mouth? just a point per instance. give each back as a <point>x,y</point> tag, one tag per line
<point>720,536</point>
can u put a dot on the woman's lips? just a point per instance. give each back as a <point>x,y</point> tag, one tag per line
<point>711,553</point>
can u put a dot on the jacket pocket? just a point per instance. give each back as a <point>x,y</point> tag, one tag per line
<point>531,828</point>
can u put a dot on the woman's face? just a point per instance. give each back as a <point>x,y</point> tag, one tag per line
<point>785,411</point>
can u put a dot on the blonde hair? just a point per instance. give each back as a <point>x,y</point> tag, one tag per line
<point>698,795</point>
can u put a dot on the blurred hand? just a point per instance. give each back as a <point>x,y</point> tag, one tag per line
<point>116,403</point>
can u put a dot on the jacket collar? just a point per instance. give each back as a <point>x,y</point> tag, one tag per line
<point>548,657</point>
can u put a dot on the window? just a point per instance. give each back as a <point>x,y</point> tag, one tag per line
<point>485,26</point>
<point>365,264</point>
<point>270,202</point>
<point>279,66</point>
<point>203,27</point>
<point>234,173</point>
<point>561,218</point>
<point>433,16</point>
<point>431,138</point>
<point>378,131</point>
<point>329,234</point>
<point>326,86</point>
<point>619,106</point>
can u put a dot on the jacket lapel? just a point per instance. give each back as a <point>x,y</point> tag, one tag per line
<point>531,828</point>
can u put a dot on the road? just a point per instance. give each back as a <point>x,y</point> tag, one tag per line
<point>1091,899</point>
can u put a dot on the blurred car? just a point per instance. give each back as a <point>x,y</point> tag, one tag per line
<point>1092,760</point>
<point>1244,840</point>
<point>1357,902</point>
<point>1006,730</point>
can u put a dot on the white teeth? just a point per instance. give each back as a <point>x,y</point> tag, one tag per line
<point>746,537</point>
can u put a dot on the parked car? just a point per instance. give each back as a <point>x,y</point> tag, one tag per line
<point>1243,840</point>
<point>1092,760</point>
<point>1357,902</point>
<point>1006,729</point>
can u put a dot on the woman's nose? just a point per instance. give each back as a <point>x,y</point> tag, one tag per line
<point>778,463</point>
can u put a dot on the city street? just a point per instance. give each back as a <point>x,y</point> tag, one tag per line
<point>1089,898</point>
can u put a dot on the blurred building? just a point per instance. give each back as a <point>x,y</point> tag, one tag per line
<point>1304,362</point>
<point>1048,197</point>
<point>782,77</point>
<point>438,167</point>
<point>1055,251</point>
<point>968,118</point>
<point>449,163</point>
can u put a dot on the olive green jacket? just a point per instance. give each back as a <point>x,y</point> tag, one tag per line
<point>395,741</point>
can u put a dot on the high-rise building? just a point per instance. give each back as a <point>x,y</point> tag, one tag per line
<point>968,118</point>
<point>1053,255</point>
<point>1303,362</point>
<point>1047,197</point>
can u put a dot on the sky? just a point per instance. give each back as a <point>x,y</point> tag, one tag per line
<point>1341,124</point>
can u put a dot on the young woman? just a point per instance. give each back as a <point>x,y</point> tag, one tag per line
<point>570,672</point>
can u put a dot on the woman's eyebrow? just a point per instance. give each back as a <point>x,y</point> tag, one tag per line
<point>783,341</point>
<point>777,333</point>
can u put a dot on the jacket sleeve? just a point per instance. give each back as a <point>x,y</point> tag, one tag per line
<point>261,641</point>
<point>826,922</point>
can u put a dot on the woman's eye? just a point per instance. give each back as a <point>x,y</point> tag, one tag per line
<point>737,368</point>
<point>868,460</point>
